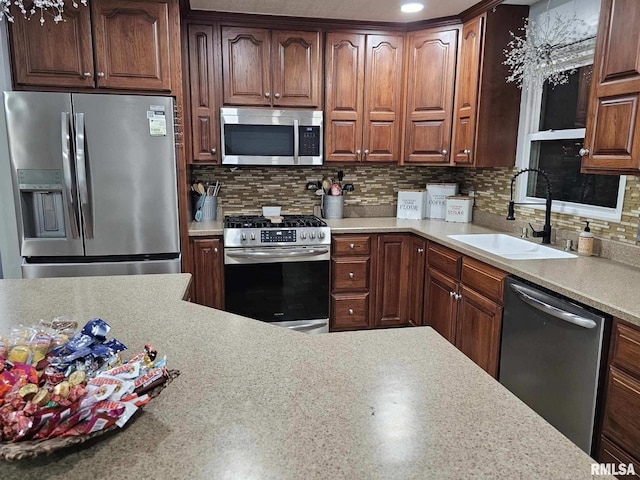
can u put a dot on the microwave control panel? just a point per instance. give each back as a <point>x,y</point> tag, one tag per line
<point>309,141</point>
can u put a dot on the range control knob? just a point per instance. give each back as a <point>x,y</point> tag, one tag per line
<point>253,236</point>
<point>320,234</point>
<point>312,235</point>
<point>244,237</point>
<point>303,235</point>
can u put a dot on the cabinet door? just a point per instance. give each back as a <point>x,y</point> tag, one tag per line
<point>430,82</point>
<point>382,99</point>
<point>245,66</point>
<point>440,305</point>
<point>621,421</point>
<point>202,82</point>
<point>344,97</point>
<point>208,272</point>
<point>613,121</point>
<point>54,54</point>
<point>417,263</point>
<point>467,82</point>
<point>296,69</point>
<point>608,452</point>
<point>479,323</point>
<point>392,281</point>
<point>132,44</point>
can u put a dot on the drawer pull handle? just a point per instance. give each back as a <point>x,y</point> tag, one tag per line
<point>350,274</point>
<point>351,311</point>
<point>352,246</point>
<point>420,250</point>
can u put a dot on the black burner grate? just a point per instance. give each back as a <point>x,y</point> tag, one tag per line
<point>258,221</point>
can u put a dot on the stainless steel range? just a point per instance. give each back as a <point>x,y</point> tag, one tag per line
<point>278,272</point>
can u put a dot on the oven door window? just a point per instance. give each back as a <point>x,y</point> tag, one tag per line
<point>259,140</point>
<point>275,292</point>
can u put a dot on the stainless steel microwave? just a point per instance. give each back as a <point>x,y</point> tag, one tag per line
<point>264,136</point>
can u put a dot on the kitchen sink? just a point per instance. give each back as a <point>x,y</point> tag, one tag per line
<point>509,247</point>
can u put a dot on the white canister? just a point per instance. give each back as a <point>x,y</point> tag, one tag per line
<point>437,194</point>
<point>412,204</point>
<point>459,209</point>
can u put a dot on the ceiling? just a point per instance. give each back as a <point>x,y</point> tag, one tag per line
<point>366,10</point>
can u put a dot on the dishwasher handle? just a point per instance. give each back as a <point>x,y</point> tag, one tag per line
<point>531,298</point>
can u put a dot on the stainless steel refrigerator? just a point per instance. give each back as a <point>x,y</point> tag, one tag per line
<point>95,185</point>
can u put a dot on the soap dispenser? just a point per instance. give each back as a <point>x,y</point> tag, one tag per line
<point>585,241</point>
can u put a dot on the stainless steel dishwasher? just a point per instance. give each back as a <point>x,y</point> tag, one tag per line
<point>550,358</point>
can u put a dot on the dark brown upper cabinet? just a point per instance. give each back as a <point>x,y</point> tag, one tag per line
<point>202,91</point>
<point>431,70</point>
<point>271,67</point>
<point>612,140</point>
<point>130,44</point>
<point>363,97</point>
<point>487,108</point>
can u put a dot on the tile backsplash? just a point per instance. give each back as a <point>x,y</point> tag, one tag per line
<point>247,189</point>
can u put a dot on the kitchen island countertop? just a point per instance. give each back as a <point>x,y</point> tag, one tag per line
<point>259,401</point>
<point>598,282</point>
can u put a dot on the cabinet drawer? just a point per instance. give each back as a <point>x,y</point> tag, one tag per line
<point>626,348</point>
<point>610,453</point>
<point>445,260</point>
<point>621,421</point>
<point>350,274</point>
<point>483,278</point>
<point>349,311</point>
<point>352,245</point>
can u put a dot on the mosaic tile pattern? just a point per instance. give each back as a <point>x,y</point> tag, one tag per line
<point>249,188</point>
<point>493,190</point>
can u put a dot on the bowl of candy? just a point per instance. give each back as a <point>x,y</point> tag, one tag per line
<point>60,386</point>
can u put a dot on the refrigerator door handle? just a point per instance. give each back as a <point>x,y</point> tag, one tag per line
<point>72,209</point>
<point>81,165</point>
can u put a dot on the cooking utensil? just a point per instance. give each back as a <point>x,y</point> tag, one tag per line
<point>311,186</point>
<point>336,189</point>
<point>340,177</point>
<point>326,184</point>
<point>348,187</point>
<point>198,214</point>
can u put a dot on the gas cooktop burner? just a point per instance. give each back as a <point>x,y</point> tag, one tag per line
<point>258,221</point>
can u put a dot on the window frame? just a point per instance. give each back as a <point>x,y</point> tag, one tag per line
<point>528,132</point>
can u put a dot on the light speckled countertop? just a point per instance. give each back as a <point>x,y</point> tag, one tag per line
<point>598,282</point>
<point>259,401</point>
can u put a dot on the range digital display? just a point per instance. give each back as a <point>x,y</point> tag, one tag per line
<point>277,236</point>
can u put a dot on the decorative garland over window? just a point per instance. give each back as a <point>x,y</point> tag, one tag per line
<point>540,54</point>
<point>55,8</point>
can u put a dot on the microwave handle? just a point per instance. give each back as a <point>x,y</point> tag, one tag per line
<point>296,141</point>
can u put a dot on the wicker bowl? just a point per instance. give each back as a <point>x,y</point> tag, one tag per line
<point>12,452</point>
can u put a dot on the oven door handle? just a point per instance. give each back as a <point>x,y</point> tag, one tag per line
<point>311,252</point>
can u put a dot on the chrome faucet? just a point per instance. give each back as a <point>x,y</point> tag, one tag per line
<point>545,233</point>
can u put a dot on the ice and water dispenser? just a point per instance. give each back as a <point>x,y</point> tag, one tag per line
<point>41,203</point>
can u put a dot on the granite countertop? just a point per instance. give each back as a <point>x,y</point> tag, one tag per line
<point>259,401</point>
<point>598,282</point>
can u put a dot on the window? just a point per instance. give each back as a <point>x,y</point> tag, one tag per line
<point>552,130</point>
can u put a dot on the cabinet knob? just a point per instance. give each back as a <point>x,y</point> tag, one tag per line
<point>584,152</point>
<point>86,74</point>
<point>358,152</point>
<point>444,152</point>
<point>457,296</point>
<point>277,95</point>
<point>267,94</point>
<point>452,294</point>
<point>213,151</point>
<point>366,152</point>
<point>100,74</point>
<point>215,250</point>
<point>466,152</point>
<point>350,274</point>
<point>351,311</point>
<point>420,250</point>
<point>352,246</point>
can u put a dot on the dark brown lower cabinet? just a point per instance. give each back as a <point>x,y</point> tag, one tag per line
<point>208,273</point>
<point>392,281</point>
<point>620,435</point>
<point>417,265</point>
<point>478,326</point>
<point>440,305</point>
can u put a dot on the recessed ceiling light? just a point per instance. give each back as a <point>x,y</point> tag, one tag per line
<point>411,7</point>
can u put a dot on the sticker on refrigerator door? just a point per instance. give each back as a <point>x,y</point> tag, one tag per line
<point>158,125</point>
<point>159,108</point>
